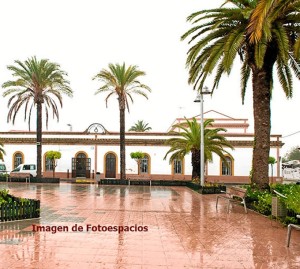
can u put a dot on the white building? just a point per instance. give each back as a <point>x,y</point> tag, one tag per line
<point>97,150</point>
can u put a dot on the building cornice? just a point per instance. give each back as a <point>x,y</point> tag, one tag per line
<point>117,134</point>
<point>114,142</point>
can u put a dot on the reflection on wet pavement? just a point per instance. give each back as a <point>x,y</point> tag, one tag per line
<point>90,226</point>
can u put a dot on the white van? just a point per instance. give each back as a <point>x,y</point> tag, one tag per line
<point>24,169</point>
<point>2,168</point>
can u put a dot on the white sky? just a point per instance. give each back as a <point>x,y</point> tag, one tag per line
<point>84,36</point>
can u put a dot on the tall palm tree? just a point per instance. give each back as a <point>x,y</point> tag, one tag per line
<point>123,82</point>
<point>189,140</point>
<point>262,33</point>
<point>2,152</point>
<point>38,84</point>
<point>140,126</point>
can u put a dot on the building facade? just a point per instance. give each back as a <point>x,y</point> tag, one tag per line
<point>97,150</point>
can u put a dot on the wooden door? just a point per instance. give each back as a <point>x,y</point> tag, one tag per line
<point>110,170</point>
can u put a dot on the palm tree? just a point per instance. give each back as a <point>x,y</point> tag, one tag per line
<point>261,33</point>
<point>123,82</point>
<point>140,126</point>
<point>2,152</point>
<point>189,140</point>
<point>38,83</point>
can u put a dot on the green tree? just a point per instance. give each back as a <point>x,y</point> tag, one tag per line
<point>189,140</point>
<point>53,156</point>
<point>137,156</point>
<point>123,82</point>
<point>37,84</point>
<point>262,33</point>
<point>292,154</point>
<point>2,152</point>
<point>272,161</point>
<point>140,126</point>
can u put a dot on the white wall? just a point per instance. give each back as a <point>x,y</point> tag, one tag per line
<point>242,158</point>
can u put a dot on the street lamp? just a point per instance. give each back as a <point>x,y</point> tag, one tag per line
<point>199,99</point>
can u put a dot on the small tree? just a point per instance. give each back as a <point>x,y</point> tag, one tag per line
<point>188,140</point>
<point>53,156</point>
<point>137,156</point>
<point>272,161</point>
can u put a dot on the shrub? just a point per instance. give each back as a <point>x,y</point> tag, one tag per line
<point>264,203</point>
<point>4,197</point>
<point>261,201</point>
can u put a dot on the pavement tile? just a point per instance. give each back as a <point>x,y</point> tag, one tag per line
<point>184,230</point>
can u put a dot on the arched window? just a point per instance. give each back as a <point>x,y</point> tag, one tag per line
<point>227,168</point>
<point>18,158</point>
<point>81,155</point>
<point>145,164</point>
<point>177,167</point>
<point>48,164</point>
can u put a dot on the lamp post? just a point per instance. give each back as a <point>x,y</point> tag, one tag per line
<point>199,99</point>
<point>70,125</point>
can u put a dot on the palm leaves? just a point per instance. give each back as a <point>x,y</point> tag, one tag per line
<point>189,141</point>
<point>246,29</point>
<point>261,33</point>
<point>140,126</point>
<point>37,83</point>
<point>122,81</point>
<point>2,152</point>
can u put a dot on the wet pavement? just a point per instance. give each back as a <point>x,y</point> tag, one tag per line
<point>140,227</point>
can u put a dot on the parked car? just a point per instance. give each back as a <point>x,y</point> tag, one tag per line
<point>291,172</point>
<point>24,169</point>
<point>2,169</point>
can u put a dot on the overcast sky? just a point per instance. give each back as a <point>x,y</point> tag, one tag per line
<point>84,36</point>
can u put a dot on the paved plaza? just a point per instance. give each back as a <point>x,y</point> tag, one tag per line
<point>140,227</point>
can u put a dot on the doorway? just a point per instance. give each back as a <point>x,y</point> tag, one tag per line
<point>81,166</point>
<point>110,165</point>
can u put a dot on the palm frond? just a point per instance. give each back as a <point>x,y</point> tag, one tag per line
<point>122,81</point>
<point>36,81</point>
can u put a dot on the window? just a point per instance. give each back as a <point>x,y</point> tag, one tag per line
<point>227,169</point>
<point>18,159</point>
<point>177,166</point>
<point>29,167</point>
<point>81,155</point>
<point>48,164</point>
<point>144,165</point>
<point>16,169</point>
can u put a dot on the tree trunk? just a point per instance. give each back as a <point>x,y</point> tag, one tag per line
<point>262,126</point>
<point>38,140</point>
<point>53,166</point>
<point>196,164</point>
<point>138,164</point>
<point>261,85</point>
<point>122,139</point>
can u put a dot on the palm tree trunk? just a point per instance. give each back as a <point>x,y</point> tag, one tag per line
<point>39,140</point>
<point>196,164</point>
<point>262,126</point>
<point>122,139</point>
